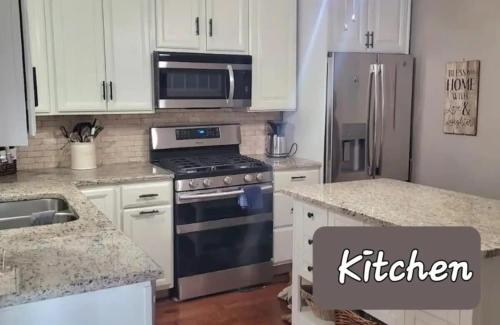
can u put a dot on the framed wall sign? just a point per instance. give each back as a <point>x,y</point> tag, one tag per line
<point>462,95</point>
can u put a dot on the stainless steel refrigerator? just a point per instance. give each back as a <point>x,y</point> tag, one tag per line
<point>368,116</point>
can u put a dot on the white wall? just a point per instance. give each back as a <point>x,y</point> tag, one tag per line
<point>307,124</point>
<point>449,30</point>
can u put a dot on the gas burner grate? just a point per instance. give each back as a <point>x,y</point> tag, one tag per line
<point>210,163</point>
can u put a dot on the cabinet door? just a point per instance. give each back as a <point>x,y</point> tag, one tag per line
<point>282,210</point>
<point>152,230</point>
<point>393,317</point>
<point>36,10</point>
<point>423,318</point>
<point>78,55</point>
<point>13,130</point>
<point>128,54</point>
<point>282,248</point>
<point>274,52</point>
<point>180,24</point>
<point>106,200</point>
<point>389,20</point>
<point>349,25</point>
<point>227,26</point>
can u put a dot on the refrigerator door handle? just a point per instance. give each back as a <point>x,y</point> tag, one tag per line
<point>381,121</point>
<point>370,121</point>
<point>376,119</point>
<point>329,154</point>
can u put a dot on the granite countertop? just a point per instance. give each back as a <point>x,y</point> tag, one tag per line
<point>387,202</point>
<point>288,163</point>
<point>84,255</point>
<point>103,175</point>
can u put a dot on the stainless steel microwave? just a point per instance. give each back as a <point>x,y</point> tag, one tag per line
<point>191,80</point>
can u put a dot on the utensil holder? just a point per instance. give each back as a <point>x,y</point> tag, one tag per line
<point>7,168</point>
<point>83,155</point>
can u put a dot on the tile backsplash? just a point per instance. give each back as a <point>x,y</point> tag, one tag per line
<point>125,137</point>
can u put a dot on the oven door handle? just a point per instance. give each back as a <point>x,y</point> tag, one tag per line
<point>216,195</point>
<point>223,223</point>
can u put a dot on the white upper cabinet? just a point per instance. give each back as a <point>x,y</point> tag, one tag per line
<point>79,55</point>
<point>389,23</point>
<point>273,45</point>
<point>227,26</point>
<point>349,23</point>
<point>180,25</point>
<point>91,56</point>
<point>128,54</point>
<point>381,26</point>
<point>36,11</point>
<point>217,26</point>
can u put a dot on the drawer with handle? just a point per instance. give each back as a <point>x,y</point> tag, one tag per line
<point>313,218</point>
<point>283,179</point>
<point>306,271</point>
<point>146,194</point>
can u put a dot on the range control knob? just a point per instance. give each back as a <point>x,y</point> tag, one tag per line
<point>248,178</point>
<point>193,183</point>
<point>259,177</point>
<point>207,182</point>
<point>227,180</point>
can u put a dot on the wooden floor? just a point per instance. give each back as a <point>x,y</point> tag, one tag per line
<point>255,307</point>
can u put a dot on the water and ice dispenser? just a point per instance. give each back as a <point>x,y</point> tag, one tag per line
<point>353,147</point>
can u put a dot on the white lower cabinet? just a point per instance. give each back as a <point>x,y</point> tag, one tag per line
<point>124,305</point>
<point>423,318</point>
<point>282,250</point>
<point>283,211</point>
<point>106,199</point>
<point>309,218</point>
<point>143,211</point>
<point>152,230</point>
<point>393,317</point>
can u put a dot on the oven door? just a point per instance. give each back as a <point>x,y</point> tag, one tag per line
<point>214,233</point>
<point>203,85</point>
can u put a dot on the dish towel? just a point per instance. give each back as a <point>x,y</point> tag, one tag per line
<point>43,218</point>
<point>251,198</point>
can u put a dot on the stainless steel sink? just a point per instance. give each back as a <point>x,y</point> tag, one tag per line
<point>30,213</point>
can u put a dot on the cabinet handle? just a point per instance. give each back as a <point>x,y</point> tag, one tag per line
<point>310,215</point>
<point>367,44</point>
<point>111,90</point>
<point>35,87</point>
<point>104,90</point>
<point>144,196</point>
<point>149,212</point>
<point>298,178</point>
<point>210,27</point>
<point>197,24</point>
<point>371,42</point>
<point>310,268</point>
<point>310,241</point>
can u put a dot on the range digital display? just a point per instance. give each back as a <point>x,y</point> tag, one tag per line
<point>197,133</point>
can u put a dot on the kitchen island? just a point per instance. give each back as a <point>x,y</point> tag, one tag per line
<point>80,272</point>
<point>385,202</point>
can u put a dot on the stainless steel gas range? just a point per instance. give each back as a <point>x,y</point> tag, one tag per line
<point>223,212</point>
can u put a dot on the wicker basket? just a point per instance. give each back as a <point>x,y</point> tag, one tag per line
<point>340,317</point>
<point>8,168</point>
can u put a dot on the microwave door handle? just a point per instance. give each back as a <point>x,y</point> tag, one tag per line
<point>231,83</point>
